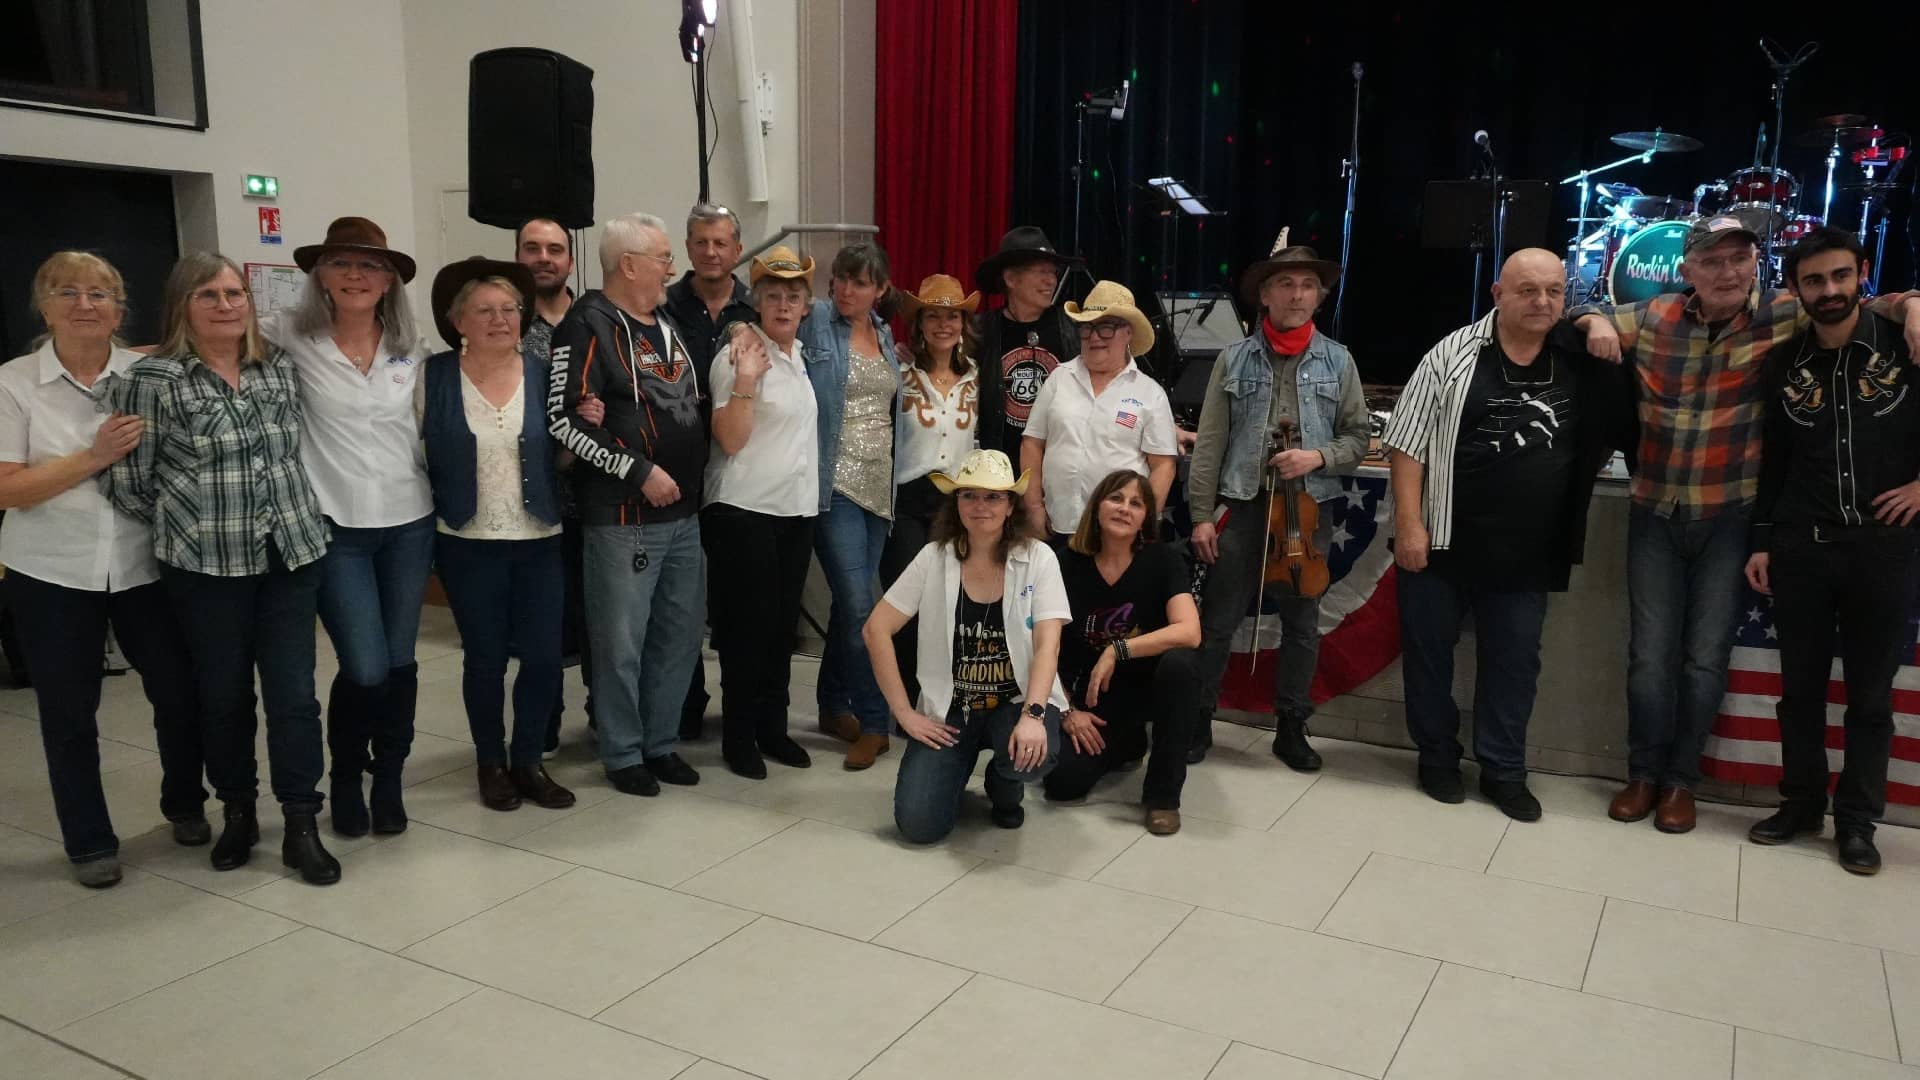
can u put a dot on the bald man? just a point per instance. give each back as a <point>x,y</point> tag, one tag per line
<point>1496,443</point>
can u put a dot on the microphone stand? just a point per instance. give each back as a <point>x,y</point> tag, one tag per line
<point>1349,168</point>
<point>1783,71</point>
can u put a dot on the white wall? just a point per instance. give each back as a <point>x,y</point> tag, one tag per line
<point>312,93</point>
<point>643,125</point>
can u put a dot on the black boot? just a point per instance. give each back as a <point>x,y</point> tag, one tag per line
<point>392,740</point>
<point>302,850</point>
<point>738,749</point>
<point>237,836</point>
<point>348,715</point>
<point>1202,741</point>
<point>1291,746</point>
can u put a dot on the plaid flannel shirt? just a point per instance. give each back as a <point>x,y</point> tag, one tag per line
<point>218,473</point>
<point>1700,397</point>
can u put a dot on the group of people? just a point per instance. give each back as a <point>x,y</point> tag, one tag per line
<point>605,474</point>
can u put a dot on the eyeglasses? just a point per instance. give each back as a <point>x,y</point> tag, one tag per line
<point>210,298</point>
<point>782,299</point>
<point>96,297</point>
<point>505,312</point>
<point>664,260</point>
<point>1102,330</point>
<point>366,266</point>
<point>983,496</point>
<point>1718,263</point>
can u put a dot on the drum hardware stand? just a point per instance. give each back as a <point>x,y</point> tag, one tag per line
<point>1782,72</point>
<point>1585,179</point>
<point>1349,168</point>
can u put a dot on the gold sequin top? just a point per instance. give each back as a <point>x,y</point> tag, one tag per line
<point>863,471</point>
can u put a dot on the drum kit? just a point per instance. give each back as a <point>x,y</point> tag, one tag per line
<point>1627,244</point>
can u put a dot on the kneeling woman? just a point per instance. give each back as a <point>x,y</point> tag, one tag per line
<point>991,607</point>
<point>1128,655</point>
<point>490,463</point>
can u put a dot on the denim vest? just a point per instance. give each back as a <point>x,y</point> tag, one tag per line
<point>453,460</point>
<point>1248,380</point>
<point>826,340</point>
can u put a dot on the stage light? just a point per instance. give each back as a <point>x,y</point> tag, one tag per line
<point>697,20</point>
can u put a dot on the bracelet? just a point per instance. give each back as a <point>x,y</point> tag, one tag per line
<point>1120,650</point>
<point>741,395</point>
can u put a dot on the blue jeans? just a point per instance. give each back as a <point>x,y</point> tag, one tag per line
<point>1506,627</point>
<point>646,633</point>
<point>1685,587</point>
<point>505,591</point>
<point>926,795</point>
<point>372,585</point>
<point>849,542</point>
<point>233,626</point>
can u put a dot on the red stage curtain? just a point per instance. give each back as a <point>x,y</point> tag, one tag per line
<point>943,133</point>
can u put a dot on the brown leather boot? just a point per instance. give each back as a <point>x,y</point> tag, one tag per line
<point>865,749</point>
<point>842,726</point>
<point>1163,822</point>
<point>496,788</point>
<point>1675,813</point>
<point>1634,802</point>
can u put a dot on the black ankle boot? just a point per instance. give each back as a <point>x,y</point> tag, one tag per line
<point>389,811</point>
<point>237,836</point>
<point>348,707</point>
<point>302,850</point>
<point>392,739</point>
<point>1291,746</point>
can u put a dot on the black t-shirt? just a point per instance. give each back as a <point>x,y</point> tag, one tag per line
<point>1102,613</point>
<point>1030,351</point>
<point>982,666</point>
<point>1513,473</point>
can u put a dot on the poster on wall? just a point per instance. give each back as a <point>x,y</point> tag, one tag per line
<point>276,287</point>
<point>269,224</point>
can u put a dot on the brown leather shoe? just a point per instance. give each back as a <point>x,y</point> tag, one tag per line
<point>534,785</point>
<point>496,788</point>
<point>1634,802</point>
<point>1163,822</point>
<point>865,749</point>
<point>842,726</point>
<point>1675,813</point>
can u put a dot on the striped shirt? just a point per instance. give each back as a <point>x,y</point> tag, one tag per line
<point>1700,394</point>
<point>1425,424</point>
<point>218,472</point>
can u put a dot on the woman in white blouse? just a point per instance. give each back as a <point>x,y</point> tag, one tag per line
<point>354,343</point>
<point>757,526</point>
<point>482,413</point>
<point>933,430</point>
<point>75,563</point>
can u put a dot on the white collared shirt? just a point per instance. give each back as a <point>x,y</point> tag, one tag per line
<point>930,587</point>
<point>933,431</point>
<point>778,471</point>
<point>1089,436</point>
<point>75,539</point>
<point>359,441</point>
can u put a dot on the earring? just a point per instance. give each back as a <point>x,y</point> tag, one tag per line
<point>463,345</point>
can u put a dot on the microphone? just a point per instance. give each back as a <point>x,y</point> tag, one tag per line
<point>1485,142</point>
<point>1359,69</point>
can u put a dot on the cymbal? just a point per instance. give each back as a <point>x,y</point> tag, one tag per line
<point>1660,142</point>
<point>1841,120</point>
<point>1873,187</point>
<point>1821,138</point>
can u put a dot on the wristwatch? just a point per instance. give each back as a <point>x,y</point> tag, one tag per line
<point>1036,710</point>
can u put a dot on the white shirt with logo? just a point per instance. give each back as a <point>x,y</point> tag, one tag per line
<point>1089,435</point>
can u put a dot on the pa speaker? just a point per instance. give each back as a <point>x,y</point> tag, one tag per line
<point>529,138</point>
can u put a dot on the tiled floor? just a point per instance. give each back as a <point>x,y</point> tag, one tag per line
<point>1299,928</point>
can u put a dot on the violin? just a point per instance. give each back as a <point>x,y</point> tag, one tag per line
<point>1291,560</point>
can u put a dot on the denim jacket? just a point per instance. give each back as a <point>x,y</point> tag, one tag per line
<point>1248,382</point>
<point>826,338</point>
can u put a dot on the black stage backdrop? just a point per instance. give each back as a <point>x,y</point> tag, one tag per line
<point>1251,103</point>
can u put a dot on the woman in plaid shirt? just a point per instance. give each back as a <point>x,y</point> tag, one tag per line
<point>239,537</point>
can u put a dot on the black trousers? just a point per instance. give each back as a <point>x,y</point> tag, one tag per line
<point>914,505</point>
<point>64,634</point>
<point>1864,581</point>
<point>756,569</point>
<point>1173,706</point>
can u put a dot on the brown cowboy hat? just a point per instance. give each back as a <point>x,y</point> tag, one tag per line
<point>355,234</point>
<point>454,276</point>
<point>1298,257</point>
<point>938,291</point>
<point>1021,245</point>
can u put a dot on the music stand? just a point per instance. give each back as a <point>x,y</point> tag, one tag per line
<point>1181,203</point>
<point>1485,216</point>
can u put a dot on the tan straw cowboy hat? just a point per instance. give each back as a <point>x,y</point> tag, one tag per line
<point>981,470</point>
<point>938,291</point>
<point>782,263</point>
<point>1112,300</point>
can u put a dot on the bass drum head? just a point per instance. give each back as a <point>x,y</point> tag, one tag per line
<point>1648,264</point>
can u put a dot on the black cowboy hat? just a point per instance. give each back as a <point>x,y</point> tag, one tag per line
<point>1299,257</point>
<point>1023,244</point>
<point>455,275</point>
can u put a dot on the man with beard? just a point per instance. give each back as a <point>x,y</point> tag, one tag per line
<point>1697,357</point>
<point>544,248</point>
<point>1496,443</point>
<point>1285,373</point>
<point>1021,343</point>
<point>1833,539</point>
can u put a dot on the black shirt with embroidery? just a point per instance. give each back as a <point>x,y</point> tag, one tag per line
<point>1513,473</point>
<point>982,666</point>
<point>1842,427</point>
<point>702,330</point>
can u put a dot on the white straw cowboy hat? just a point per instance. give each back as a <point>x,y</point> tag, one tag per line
<point>1110,299</point>
<point>939,291</point>
<point>981,470</point>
